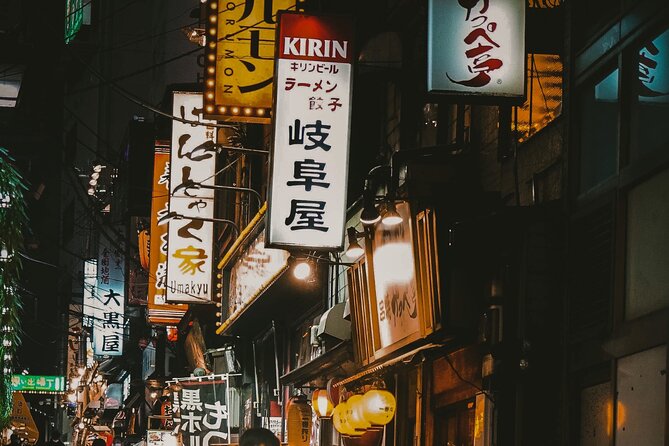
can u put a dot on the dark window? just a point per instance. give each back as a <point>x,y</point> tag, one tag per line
<point>599,105</point>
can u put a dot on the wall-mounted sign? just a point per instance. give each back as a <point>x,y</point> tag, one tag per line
<point>654,70</point>
<point>37,383</point>
<point>476,47</point>
<point>239,55</point>
<point>202,411</point>
<point>307,205</point>
<point>109,318</point>
<point>90,286</point>
<point>159,312</point>
<point>394,289</point>
<point>190,238</point>
<point>255,270</point>
<point>395,280</point>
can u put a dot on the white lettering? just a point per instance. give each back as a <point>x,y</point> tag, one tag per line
<point>301,46</point>
<point>289,45</point>
<point>315,48</point>
<point>337,47</point>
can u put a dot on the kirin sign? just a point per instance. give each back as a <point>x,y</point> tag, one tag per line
<point>476,47</point>
<point>307,205</point>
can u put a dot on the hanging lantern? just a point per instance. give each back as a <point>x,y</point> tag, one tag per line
<point>341,422</point>
<point>321,403</point>
<point>378,407</point>
<point>355,415</point>
<point>298,422</point>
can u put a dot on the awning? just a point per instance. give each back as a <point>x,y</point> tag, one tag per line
<point>334,363</point>
<point>374,368</point>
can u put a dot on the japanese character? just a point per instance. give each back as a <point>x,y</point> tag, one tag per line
<point>110,343</point>
<point>218,412</point>
<point>192,422</point>
<point>190,399</point>
<point>112,295</point>
<point>308,173</point>
<point>315,135</point>
<point>111,320</point>
<point>315,103</point>
<point>309,215</point>
<point>330,90</point>
<point>334,104</point>
<point>185,230</point>
<point>188,255</point>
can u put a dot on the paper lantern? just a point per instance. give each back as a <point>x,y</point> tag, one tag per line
<point>354,414</point>
<point>321,403</point>
<point>298,422</point>
<point>340,421</point>
<point>378,407</point>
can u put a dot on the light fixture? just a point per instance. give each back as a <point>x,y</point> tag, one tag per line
<point>391,217</point>
<point>370,214</point>
<point>97,168</point>
<point>354,249</point>
<point>302,270</point>
<point>154,394</point>
<point>82,425</point>
<point>321,404</point>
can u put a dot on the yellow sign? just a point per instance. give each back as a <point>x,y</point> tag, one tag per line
<point>239,68</point>
<point>22,420</point>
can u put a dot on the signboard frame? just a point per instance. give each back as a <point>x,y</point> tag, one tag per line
<point>337,25</point>
<point>482,87</point>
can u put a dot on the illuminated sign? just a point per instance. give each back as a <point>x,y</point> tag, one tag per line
<point>109,314</point>
<point>190,239</point>
<point>307,205</point>
<point>654,70</point>
<point>476,47</point>
<point>37,383</point>
<point>254,271</point>
<point>395,280</point>
<point>239,56</point>
<point>159,312</point>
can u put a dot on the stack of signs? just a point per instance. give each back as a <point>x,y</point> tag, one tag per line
<point>307,206</point>
<point>191,205</point>
<point>201,410</point>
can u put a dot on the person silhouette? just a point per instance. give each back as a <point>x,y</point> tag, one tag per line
<point>258,436</point>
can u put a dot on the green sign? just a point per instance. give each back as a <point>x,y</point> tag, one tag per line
<point>74,17</point>
<point>38,383</point>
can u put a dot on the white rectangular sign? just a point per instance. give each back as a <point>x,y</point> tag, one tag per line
<point>190,232</point>
<point>307,205</point>
<point>476,47</point>
<point>109,311</point>
<point>90,286</point>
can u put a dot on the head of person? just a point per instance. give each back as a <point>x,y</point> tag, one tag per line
<point>55,435</point>
<point>99,442</point>
<point>15,439</point>
<point>258,436</point>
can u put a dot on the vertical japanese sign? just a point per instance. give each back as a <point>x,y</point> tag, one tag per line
<point>307,206</point>
<point>240,59</point>
<point>395,280</point>
<point>90,285</point>
<point>202,412</point>
<point>190,232</point>
<point>476,47</point>
<point>159,312</point>
<point>109,322</point>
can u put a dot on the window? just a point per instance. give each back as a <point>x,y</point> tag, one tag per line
<point>544,95</point>
<point>650,98</point>
<point>454,425</point>
<point>598,115</point>
<point>648,247</point>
